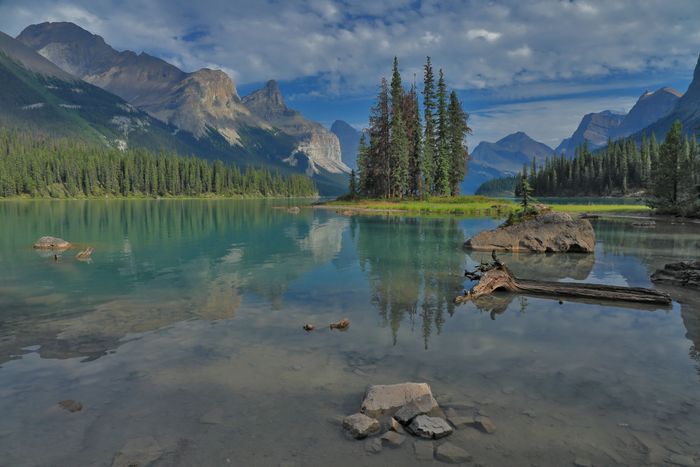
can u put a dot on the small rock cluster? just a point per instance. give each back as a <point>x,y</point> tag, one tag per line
<point>390,414</point>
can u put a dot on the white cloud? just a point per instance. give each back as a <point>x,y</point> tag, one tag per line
<point>520,52</point>
<point>483,34</point>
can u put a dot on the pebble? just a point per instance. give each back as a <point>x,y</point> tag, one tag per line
<point>71,405</point>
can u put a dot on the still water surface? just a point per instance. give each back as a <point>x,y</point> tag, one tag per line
<point>182,339</point>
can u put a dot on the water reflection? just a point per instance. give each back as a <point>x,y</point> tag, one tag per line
<point>414,267</point>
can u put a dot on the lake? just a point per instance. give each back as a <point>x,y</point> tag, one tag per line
<point>182,339</point>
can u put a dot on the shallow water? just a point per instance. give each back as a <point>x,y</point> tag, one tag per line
<point>182,339</point>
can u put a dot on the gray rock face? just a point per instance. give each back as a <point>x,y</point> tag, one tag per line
<point>552,232</point>
<point>320,145</point>
<point>682,274</point>
<point>387,399</point>
<point>419,406</point>
<point>429,427</point>
<point>349,139</point>
<point>360,425</point>
<point>51,243</point>
<point>448,452</point>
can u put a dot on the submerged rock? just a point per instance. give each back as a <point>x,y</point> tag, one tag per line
<point>387,399</point>
<point>429,427</point>
<point>51,243</point>
<point>485,424</point>
<point>138,452</point>
<point>360,425</point>
<point>682,274</point>
<point>393,438</point>
<point>551,232</point>
<point>71,405</point>
<point>373,445</point>
<point>448,452</point>
<point>423,450</point>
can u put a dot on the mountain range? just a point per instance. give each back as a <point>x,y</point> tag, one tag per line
<point>597,128</point>
<point>199,112</point>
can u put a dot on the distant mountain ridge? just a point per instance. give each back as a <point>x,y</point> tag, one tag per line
<point>349,139</point>
<point>597,128</point>
<point>204,103</point>
<point>502,158</point>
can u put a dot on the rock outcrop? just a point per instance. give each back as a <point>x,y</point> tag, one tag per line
<point>682,274</point>
<point>387,399</point>
<point>51,243</point>
<point>317,146</point>
<point>551,232</point>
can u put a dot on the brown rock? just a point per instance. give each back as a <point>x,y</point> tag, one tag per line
<point>552,232</point>
<point>71,405</point>
<point>51,243</point>
<point>485,424</point>
<point>392,438</point>
<point>429,427</point>
<point>682,274</point>
<point>419,406</point>
<point>360,425</point>
<point>448,452</point>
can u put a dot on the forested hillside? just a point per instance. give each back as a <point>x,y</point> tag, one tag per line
<point>39,166</point>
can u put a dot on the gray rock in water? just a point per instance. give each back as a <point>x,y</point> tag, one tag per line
<point>387,399</point>
<point>429,427</point>
<point>51,243</point>
<point>71,405</point>
<point>139,451</point>
<point>679,459</point>
<point>551,232</point>
<point>373,445</point>
<point>423,450</point>
<point>448,452</point>
<point>682,274</point>
<point>485,424</point>
<point>360,425</point>
<point>419,406</point>
<point>393,438</point>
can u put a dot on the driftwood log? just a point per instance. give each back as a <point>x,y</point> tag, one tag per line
<point>496,276</point>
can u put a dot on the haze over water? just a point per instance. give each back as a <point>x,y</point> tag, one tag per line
<point>182,338</point>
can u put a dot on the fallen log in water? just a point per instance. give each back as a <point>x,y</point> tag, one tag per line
<point>496,276</point>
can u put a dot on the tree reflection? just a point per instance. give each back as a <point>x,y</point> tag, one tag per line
<point>414,266</point>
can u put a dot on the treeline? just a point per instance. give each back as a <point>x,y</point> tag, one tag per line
<point>498,186</point>
<point>404,156</point>
<point>668,174</point>
<point>42,167</point>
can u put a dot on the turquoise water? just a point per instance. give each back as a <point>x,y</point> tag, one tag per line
<point>182,339</point>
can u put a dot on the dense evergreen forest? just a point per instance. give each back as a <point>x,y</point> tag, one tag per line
<point>405,158</point>
<point>503,186</point>
<point>39,166</point>
<point>666,174</point>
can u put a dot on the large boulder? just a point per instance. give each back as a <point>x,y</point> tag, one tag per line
<point>682,274</point>
<point>51,243</point>
<point>386,399</point>
<point>551,232</point>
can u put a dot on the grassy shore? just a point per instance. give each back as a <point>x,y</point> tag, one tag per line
<point>471,206</point>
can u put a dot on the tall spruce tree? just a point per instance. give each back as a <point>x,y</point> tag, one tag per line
<point>379,153</point>
<point>399,149</point>
<point>670,180</point>
<point>442,158</point>
<point>457,131</point>
<point>362,166</point>
<point>429,167</point>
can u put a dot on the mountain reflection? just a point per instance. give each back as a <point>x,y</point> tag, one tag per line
<point>414,267</point>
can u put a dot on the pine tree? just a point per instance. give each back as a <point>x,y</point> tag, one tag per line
<point>429,167</point>
<point>442,158</point>
<point>362,166</point>
<point>670,178</point>
<point>399,146</point>
<point>457,130</point>
<point>352,188</point>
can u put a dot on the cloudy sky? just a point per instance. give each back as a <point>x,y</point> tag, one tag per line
<point>536,66</point>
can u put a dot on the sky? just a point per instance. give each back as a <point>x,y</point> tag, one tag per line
<point>535,66</point>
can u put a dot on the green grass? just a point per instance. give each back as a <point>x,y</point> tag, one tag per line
<point>472,206</point>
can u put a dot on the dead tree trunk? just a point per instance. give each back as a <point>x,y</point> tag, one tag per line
<point>496,276</point>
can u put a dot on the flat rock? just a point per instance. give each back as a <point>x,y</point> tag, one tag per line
<point>484,424</point>
<point>387,399</point>
<point>461,421</point>
<point>551,232</point>
<point>71,405</point>
<point>448,452</point>
<point>373,445</point>
<point>360,425</point>
<point>419,406</point>
<point>393,438</point>
<point>423,450</point>
<point>429,427</point>
<point>682,274</point>
<point>51,243</point>
<point>138,452</point>
<point>396,426</point>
